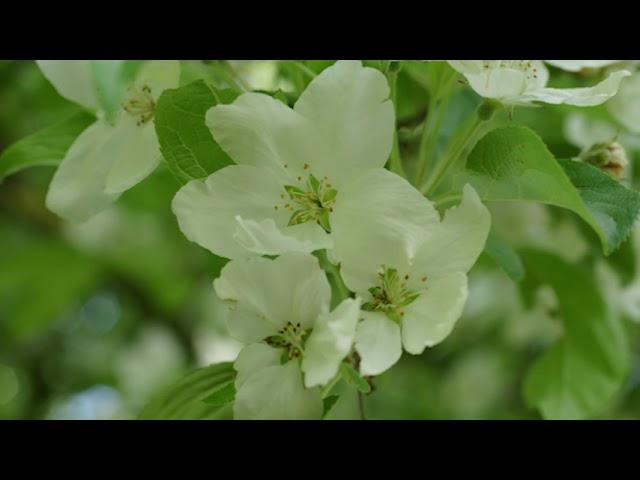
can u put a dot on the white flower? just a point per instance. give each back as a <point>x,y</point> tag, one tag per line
<point>302,174</point>
<point>577,65</point>
<point>522,82</point>
<point>414,291</point>
<point>280,308</point>
<point>112,155</point>
<point>625,106</point>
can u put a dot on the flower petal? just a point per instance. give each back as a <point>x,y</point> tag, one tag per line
<point>207,210</point>
<point>378,343</point>
<point>265,238</point>
<point>456,243</point>
<point>77,189</point>
<point>135,151</point>
<point>292,288</point>
<point>431,317</point>
<point>252,359</point>
<point>577,65</point>
<point>277,393</point>
<point>349,105</point>
<point>499,83</point>
<point>246,325</point>
<point>379,218</point>
<point>580,97</point>
<point>330,342</point>
<point>159,75</point>
<point>261,131</point>
<point>72,79</point>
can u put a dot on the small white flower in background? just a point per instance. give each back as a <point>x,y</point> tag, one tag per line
<point>113,154</point>
<point>302,174</point>
<point>413,291</point>
<point>625,106</point>
<point>280,309</point>
<point>578,65</point>
<point>523,82</point>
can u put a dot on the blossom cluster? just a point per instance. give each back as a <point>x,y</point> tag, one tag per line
<point>308,194</point>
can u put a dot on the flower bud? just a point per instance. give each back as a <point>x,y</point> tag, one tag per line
<point>608,156</point>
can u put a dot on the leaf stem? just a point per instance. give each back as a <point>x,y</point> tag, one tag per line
<point>438,99</point>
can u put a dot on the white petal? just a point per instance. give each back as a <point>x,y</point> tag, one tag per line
<point>378,343</point>
<point>330,342</point>
<point>467,67</point>
<point>379,218</point>
<point>349,105</point>
<point>135,154</point>
<point>580,97</point>
<point>159,75</point>
<point>261,131</point>
<point>431,317</point>
<point>499,83</point>
<point>77,190</point>
<point>252,359</point>
<point>246,325</point>
<point>625,106</point>
<point>277,393</point>
<point>456,243</point>
<point>266,238</point>
<point>577,65</point>
<point>72,79</point>
<point>292,288</point>
<point>207,210</point>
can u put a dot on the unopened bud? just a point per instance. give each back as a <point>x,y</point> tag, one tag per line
<point>608,156</point>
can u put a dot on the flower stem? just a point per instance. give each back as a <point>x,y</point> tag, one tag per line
<point>468,135</point>
<point>395,161</point>
<point>439,97</point>
<point>361,405</point>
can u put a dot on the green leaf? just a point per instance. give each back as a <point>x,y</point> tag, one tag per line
<point>328,403</point>
<point>185,141</point>
<point>354,378</point>
<point>613,206</point>
<point>46,147</point>
<point>222,396</point>
<point>185,399</point>
<point>504,256</point>
<point>112,78</point>
<point>513,163</point>
<point>577,377</point>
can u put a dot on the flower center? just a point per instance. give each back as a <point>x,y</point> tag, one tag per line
<point>291,338</point>
<point>525,66</point>
<point>140,104</point>
<point>311,203</point>
<point>391,295</point>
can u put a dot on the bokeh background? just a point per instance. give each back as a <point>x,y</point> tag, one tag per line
<point>96,319</point>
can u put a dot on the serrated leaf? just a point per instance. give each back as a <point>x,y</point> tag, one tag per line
<point>578,376</point>
<point>222,396</point>
<point>184,399</point>
<point>613,206</point>
<point>185,141</point>
<point>46,147</point>
<point>513,163</point>
<point>505,257</point>
<point>354,378</point>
